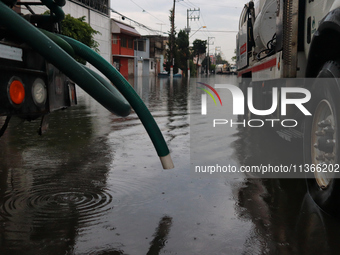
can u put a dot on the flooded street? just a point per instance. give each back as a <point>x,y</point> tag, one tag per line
<point>93,184</point>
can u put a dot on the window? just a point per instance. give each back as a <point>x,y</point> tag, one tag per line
<point>151,65</point>
<point>243,17</point>
<point>116,63</point>
<point>140,45</point>
<point>114,39</point>
<point>99,5</point>
<point>130,43</point>
<point>123,42</point>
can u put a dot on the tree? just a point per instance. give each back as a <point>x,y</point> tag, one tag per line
<point>183,49</point>
<point>171,52</point>
<point>219,60</point>
<point>81,31</point>
<point>192,68</point>
<point>205,63</point>
<point>234,58</point>
<point>199,47</point>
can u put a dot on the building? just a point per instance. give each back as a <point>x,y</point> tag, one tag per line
<point>212,59</point>
<point>97,15</point>
<point>158,46</point>
<point>143,65</point>
<point>124,38</point>
<point>198,63</point>
<point>120,44</point>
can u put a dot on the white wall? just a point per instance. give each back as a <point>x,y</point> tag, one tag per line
<point>96,20</point>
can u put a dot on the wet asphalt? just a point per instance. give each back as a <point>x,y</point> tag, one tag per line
<point>93,184</point>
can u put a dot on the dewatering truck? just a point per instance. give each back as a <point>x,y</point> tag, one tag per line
<point>38,72</point>
<point>279,42</point>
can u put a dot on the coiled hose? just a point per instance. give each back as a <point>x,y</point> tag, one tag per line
<point>70,67</point>
<point>127,91</point>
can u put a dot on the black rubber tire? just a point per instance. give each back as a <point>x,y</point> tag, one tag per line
<point>326,93</point>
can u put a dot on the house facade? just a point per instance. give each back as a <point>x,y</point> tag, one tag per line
<point>123,38</point>
<point>143,64</point>
<point>119,43</point>
<point>158,46</point>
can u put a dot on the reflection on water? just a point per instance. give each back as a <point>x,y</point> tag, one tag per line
<point>285,219</point>
<point>161,235</point>
<point>94,185</point>
<point>257,146</point>
<point>61,190</point>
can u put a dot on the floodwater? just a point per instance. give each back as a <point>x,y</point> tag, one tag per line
<point>93,184</point>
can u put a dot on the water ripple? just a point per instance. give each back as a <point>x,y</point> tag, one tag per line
<point>54,202</point>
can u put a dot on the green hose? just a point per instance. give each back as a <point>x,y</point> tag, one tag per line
<point>60,42</point>
<point>125,88</point>
<point>60,2</point>
<point>55,55</point>
<point>65,63</point>
<point>121,106</point>
<point>55,9</point>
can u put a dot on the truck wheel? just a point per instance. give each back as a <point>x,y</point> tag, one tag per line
<point>321,140</point>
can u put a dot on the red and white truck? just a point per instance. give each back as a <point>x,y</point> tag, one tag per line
<point>280,39</point>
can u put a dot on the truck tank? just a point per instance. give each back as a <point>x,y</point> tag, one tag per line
<point>265,23</point>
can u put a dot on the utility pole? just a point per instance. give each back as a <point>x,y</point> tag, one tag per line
<point>161,25</point>
<point>208,53</point>
<point>190,16</point>
<point>172,39</point>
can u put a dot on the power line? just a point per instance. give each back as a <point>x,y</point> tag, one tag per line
<point>146,11</point>
<point>137,5</point>
<point>215,4</point>
<point>142,26</point>
<point>192,4</point>
<point>203,18</point>
<point>204,31</point>
<point>198,28</point>
<point>186,5</point>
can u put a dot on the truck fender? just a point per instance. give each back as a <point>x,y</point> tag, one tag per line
<point>325,43</point>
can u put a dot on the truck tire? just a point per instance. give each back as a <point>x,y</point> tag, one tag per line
<point>322,140</point>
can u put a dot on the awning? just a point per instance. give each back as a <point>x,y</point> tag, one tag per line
<point>125,29</point>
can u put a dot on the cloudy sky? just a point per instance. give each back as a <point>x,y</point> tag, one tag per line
<point>219,16</point>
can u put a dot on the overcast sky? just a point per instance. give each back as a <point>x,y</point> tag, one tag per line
<point>216,15</point>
